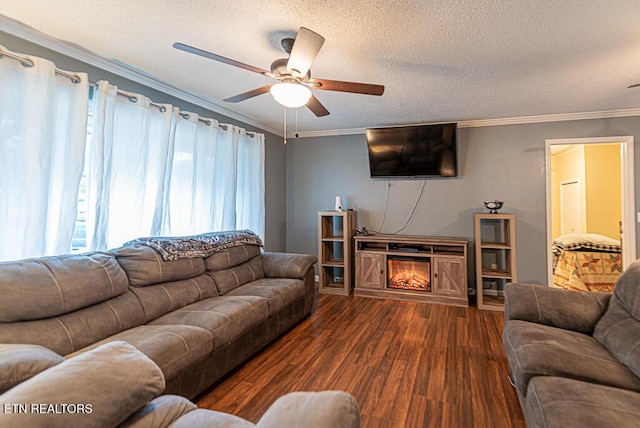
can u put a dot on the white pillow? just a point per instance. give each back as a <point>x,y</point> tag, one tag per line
<point>592,238</point>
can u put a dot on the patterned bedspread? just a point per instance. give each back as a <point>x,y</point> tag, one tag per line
<point>203,245</point>
<point>587,270</point>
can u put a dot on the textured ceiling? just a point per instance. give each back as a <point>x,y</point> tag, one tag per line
<point>440,61</point>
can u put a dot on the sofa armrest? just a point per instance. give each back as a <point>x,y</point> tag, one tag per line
<point>19,362</point>
<point>566,309</point>
<point>287,265</point>
<point>330,409</point>
<point>160,412</point>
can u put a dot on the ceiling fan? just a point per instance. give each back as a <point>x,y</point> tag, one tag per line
<point>293,74</point>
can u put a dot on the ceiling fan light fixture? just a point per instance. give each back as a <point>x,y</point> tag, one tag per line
<point>292,95</point>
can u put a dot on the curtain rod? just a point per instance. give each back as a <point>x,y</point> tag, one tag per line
<point>131,97</point>
<point>134,99</point>
<point>26,62</point>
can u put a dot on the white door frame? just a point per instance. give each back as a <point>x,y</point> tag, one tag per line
<point>628,194</point>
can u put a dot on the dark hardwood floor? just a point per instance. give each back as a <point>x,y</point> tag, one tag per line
<point>407,364</point>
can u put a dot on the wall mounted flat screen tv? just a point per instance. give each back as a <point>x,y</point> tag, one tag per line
<point>413,151</point>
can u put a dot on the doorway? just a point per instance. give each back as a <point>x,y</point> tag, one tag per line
<point>619,216</point>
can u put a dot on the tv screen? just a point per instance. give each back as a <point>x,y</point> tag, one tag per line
<point>413,151</point>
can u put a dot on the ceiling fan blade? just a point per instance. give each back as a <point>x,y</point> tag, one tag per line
<point>249,94</point>
<point>304,51</point>
<point>316,107</point>
<point>196,51</point>
<point>353,87</point>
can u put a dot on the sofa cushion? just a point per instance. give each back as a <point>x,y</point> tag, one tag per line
<point>172,347</point>
<point>144,266</point>
<point>99,388</point>
<point>555,307</point>
<point>211,419</point>
<point>225,317</point>
<point>230,257</point>
<point>160,299</point>
<point>627,290</point>
<point>619,328</point>
<point>20,362</point>
<point>228,279</point>
<point>69,332</point>
<point>279,292</point>
<point>287,265</point>
<point>619,332</point>
<point>160,412</point>
<point>540,350</point>
<point>559,402</point>
<point>312,409</point>
<point>41,288</point>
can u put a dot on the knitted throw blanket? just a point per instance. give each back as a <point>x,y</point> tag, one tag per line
<point>203,245</point>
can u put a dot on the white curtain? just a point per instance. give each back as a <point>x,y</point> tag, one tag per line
<point>154,170</point>
<point>223,165</point>
<point>192,187</point>
<point>43,120</point>
<point>127,163</point>
<point>250,202</point>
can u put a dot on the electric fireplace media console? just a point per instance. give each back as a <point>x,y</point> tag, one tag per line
<point>414,268</point>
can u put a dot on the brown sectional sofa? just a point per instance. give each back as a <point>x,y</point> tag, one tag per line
<point>575,357</point>
<point>197,318</point>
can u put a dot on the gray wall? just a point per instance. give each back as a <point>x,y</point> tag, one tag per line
<point>275,179</point>
<point>498,162</point>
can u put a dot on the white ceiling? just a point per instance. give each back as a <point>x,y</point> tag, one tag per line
<point>440,61</point>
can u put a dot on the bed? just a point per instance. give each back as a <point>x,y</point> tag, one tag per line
<point>586,262</point>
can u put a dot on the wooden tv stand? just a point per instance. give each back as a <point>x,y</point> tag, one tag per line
<point>423,269</point>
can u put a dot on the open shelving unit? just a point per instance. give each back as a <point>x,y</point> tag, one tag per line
<point>495,245</point>
<point>335,251</point>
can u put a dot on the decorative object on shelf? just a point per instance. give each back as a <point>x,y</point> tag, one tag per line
<point>338,203</point>
<point>363,231</point>
<point>493,206</point>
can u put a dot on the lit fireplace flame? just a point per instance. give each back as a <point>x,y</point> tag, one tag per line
<point>409,274</point>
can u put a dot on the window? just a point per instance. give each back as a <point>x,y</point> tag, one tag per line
<point>79,241</point>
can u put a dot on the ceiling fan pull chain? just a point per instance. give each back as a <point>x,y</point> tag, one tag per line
<point>285,126</point>
<point>297,122</point>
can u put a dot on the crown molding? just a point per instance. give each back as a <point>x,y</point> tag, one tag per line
<point>521,120</point>
<point>564,117</point>
<point>32,35</point>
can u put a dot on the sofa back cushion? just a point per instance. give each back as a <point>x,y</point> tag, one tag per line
<point>67,333</point>
<point>627,289</point>
<point>228,279</point>
<point>231,257</point>
<point>144,266</point>
<point>40,288</point>
<point>619,328</point>
<point>160,299</point>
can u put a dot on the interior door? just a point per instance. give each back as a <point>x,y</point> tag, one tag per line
<point>571,209</point>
